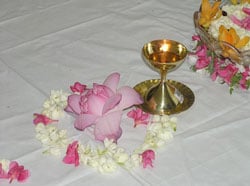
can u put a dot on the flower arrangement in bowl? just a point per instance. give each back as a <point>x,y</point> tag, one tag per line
<point>223,48</point>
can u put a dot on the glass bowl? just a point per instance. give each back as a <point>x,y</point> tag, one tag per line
<point>220,48</point>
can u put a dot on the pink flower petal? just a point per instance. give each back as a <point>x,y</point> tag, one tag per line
<point>246,10</point>
<point>244,23</point>
<point>235,20</point>
<point>202,63</point>
<point>112,81</point>
<point>95,104</point>
<point>196,38</point>
<point>139,117</point>
<point>101,90</point>
<point>111,103</point>
<point>40,118</point>
<point>74,104</point>
<point>214,76</point>
<point>84,120</point>
<point>108,126</point>
<point>17,172</point>
<point>97,97</point>
<point>147,158</point>
<point>129,98</point>
<point>72,155</point>
<point>78,87</point>
<point>201,51</point>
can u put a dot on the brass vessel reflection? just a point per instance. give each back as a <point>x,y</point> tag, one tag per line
<point>163,97</point>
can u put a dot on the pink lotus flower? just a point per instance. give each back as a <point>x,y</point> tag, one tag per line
<point>72,155</point>
<point>139,117</point>
<point>40,118</point>
<point>102,106</point>
<point>78,87</point>
<point>17,172</point>
<point>147,158</point>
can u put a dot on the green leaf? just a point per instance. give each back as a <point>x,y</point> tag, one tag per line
<point>235,81</point>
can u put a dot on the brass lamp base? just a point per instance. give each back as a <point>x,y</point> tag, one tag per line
<point>171,98</point>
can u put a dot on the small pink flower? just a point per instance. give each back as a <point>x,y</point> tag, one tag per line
<point>72,155</point>
<point>228,72</point>
<point>139,116</point>
<point>203,60</point>
<point>244,79</point>
<point>196,38</point>
<point>201,51</point>
<point>78,87</point>
<point>216,68</point>
<point>147,158</point>
<point>40,118</point>
<point>17,172</point>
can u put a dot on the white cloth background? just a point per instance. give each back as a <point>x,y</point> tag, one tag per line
<point>50,44</point>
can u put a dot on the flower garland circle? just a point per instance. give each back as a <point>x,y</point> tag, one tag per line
<point>98,110</point>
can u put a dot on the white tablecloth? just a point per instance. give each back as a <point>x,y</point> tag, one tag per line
<point>50,44</point>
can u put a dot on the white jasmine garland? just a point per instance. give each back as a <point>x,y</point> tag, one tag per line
<point>106,158</point>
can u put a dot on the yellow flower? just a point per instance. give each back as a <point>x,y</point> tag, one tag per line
<point>234,2</point>
<point>209,12</point>
<point>230,36</point>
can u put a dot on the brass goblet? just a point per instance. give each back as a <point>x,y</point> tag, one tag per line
<point>164,96</point>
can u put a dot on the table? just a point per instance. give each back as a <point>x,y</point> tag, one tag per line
<point>50,44</point>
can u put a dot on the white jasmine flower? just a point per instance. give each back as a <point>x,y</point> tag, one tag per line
<point>165,118</point>
<point>107,165</point>
<point>54,106</point>
<point>156,118</point>
<point>52,138</point>
<point>165,135</point>
<point>133,161</point>
<point>110,146</point>
<point>93,162</point>
<point>5,164</point>
<point>159,143</point>
<point>154,127</point>
<point>121,156</point>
